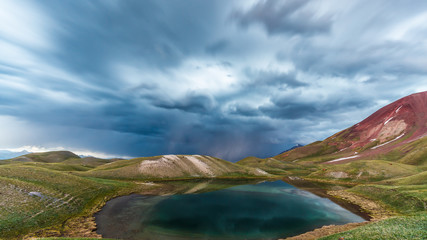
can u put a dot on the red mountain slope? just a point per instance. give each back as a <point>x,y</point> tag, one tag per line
<point>400,122</point>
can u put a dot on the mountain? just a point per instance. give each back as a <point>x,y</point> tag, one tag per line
<point>173,166</point>
<point>46,157</point>
<point>292,148</point>
<point>6,154</point>
<point>399,124</point>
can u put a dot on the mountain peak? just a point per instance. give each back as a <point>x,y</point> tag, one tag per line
<point>400,122</point>
<point>404,117</point>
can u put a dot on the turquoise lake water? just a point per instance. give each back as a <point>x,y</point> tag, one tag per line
<point>268,210</point>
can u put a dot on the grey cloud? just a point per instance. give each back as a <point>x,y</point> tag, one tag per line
<point>289,111</point>
<point>217,46</point>
<point>315,108</point>
<point>192,102</point>
<point>273,79</point>
<point>243,110</point>
<point>284,17</point>
<point>154,33</point>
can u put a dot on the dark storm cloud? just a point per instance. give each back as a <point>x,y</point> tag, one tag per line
<point>289,111</point>
<point>244,110</point>
<point>296,107</point>
<point>284,17</point>
<point>191,102</point>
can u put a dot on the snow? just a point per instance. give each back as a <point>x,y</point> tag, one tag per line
<point>343,149</point>
<point>344,158</point>
<point>388,120</point>
<point>388,141</point>
<point>397,110</point>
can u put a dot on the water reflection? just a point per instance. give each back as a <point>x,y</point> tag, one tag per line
<point>267,210</point>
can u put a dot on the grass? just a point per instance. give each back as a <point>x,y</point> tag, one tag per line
<point>48,157</point>
<point>397,228</point>
<point>277,167</point>
<point>403,199</point>
<point>366,171</point>
<point>33,197</point>
<point>56,238</point>
<point>417,179</point>
<point>70,187</point>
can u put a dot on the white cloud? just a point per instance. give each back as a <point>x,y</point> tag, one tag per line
<point>405,30</point>
<point>23,23</point>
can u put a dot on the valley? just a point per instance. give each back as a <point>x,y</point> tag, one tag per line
<point>379,165</point>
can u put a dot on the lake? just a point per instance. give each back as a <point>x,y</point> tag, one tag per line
<point>267,210</point>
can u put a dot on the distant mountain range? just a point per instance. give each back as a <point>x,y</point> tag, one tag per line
<point>292,148</point>
<point>6,154</point>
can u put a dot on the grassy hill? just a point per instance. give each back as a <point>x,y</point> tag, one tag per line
<point>173,167</point>
<point>58,190</point>
<point>90,162</point>
<point>394,181</point>
<point>46,157</point>
<point>275,166</point>
<point>51,189</point>
<point>365,171</point>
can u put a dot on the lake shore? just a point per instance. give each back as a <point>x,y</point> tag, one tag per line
<point>85,226</point>
<point>372,211</point>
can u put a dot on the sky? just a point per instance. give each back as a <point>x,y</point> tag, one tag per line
<point>226,78</point>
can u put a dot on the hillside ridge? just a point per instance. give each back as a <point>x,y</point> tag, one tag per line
<point>396,124</point>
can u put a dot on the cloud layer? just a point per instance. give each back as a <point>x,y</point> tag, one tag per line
<point>223,78</point>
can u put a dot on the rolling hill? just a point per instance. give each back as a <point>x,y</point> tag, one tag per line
<point>55,189</point>
<point>173,166</point>
<point>46,157</point>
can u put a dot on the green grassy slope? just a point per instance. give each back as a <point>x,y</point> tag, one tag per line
<point>90,162</point>
<point>33,197</point>
<point>366,171</point>
<point>417,179</point>
<point>274,166</point>
<point>396,180</point>
<point>47,157</point>
<point>397,228</point>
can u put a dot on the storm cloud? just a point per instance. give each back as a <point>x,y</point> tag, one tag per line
<point>224,78</point>
<point>284,17</point>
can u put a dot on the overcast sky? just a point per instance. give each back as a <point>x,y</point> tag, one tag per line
<point>223,78</point>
